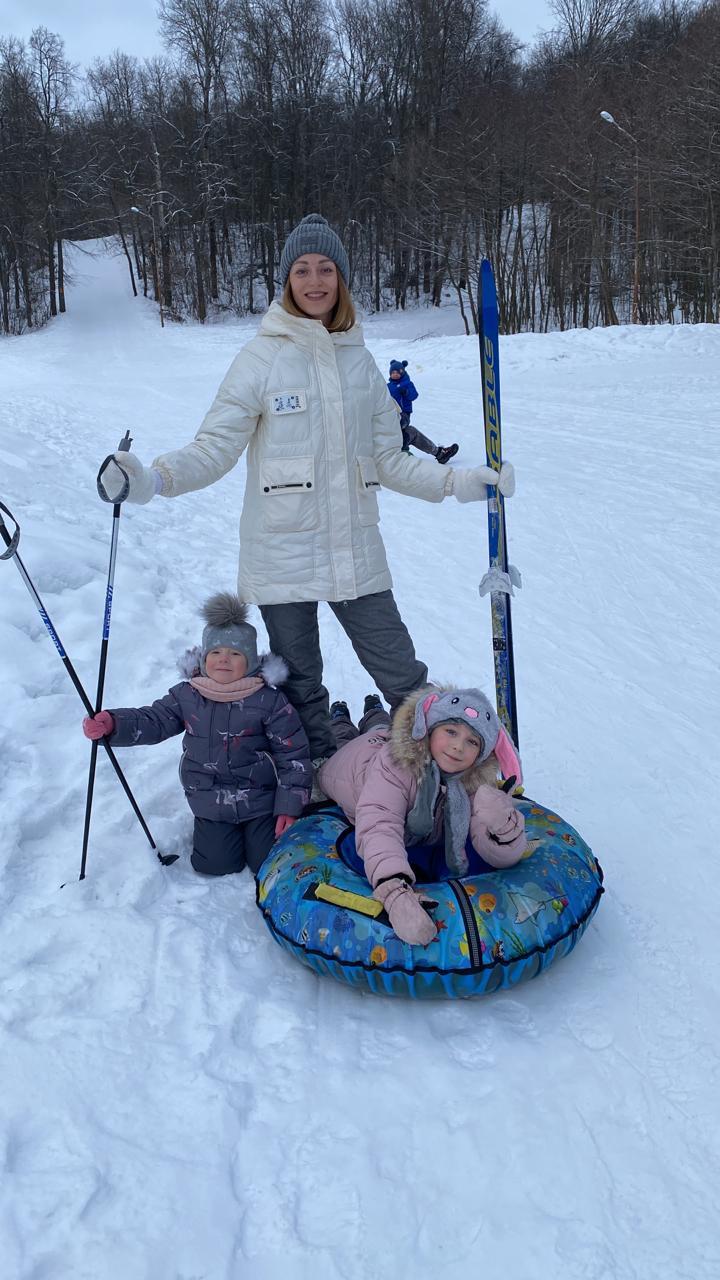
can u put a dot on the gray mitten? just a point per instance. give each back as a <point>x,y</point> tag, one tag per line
<point>408,919</point>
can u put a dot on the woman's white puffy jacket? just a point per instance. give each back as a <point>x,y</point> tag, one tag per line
<point>322,436</point>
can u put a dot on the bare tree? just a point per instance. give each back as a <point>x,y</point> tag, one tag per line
<point>413,125</point>
<point>52,76</point>
<point>590,25</point>
<point>201,31</point>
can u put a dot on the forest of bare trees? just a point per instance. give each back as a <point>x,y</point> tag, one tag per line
<point>419,128</point>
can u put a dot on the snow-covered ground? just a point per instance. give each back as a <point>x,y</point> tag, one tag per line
<point>179,1100</point>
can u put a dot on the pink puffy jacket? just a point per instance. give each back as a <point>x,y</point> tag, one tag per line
<point>375,780</point>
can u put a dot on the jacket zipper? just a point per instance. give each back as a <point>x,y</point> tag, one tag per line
<point>210,733</point>
<point>325,419</point>
<point>227,740</point>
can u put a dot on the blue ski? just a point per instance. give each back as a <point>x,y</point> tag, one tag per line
<point>498,581</point>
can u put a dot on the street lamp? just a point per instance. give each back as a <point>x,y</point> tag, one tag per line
<point>141,213</point>
<point>610,119</point>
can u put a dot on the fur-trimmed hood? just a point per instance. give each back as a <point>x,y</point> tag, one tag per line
<point>273,670</point>
<point>415,755</point>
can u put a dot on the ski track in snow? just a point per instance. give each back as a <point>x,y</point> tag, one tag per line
<point>181,1101</point>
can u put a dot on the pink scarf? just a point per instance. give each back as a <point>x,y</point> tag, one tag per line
<point>235,692</point>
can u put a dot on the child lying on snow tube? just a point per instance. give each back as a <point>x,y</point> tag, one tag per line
<point>430,779</point>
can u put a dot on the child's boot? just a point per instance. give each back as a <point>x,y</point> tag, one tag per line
<point>372,702</point>
<point>374,715</point>
<point>445,452</point>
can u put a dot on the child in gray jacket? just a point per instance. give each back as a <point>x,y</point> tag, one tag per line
<point>245,767</point>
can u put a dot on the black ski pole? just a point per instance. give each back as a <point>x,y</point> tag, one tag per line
<point>11,542</point>
<point>123,446</point>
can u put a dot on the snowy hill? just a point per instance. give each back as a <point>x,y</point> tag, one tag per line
<point>180,1101</point>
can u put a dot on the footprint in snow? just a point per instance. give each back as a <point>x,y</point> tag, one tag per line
<point>465,1039</point>
<point>585,1027</point>
<point>514,1015</point>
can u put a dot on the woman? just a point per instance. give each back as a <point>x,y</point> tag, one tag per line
<point>307,401</point>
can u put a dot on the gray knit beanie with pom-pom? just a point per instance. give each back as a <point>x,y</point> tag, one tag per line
<point>313,235</point>
<point>227,627</point>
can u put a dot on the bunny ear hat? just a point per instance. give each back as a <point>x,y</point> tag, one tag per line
<point>472,708</point>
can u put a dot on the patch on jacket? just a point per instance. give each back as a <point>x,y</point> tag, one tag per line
<point>288,402</point>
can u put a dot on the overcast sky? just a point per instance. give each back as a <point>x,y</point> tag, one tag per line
<point>523,17</point>
<point>93,28</point>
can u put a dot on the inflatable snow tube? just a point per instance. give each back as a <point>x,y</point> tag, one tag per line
<point>494,929</point>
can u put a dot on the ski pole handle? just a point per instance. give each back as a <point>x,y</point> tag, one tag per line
<point>123,447</point>
<point>11,542</point>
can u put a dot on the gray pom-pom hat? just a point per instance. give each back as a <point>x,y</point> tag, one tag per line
<point>227,627</point>
<point>313,234</point>
<point>472,708</point>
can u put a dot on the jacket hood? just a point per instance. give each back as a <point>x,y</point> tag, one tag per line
<point>278,323</point>
<point>415,756</point>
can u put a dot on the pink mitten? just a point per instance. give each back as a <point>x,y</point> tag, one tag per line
<point>100,726</point>
<point>408,920</point>
<point>283,823</point>
<point>497,828</point>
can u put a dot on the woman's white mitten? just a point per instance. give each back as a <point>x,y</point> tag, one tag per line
<point>470,484</point>
<point>142,478</point>
<point>506,480</point>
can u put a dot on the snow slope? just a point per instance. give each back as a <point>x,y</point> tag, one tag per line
<point>180,1101</point>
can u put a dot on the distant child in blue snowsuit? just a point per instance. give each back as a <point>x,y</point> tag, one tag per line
<point>403,392</point>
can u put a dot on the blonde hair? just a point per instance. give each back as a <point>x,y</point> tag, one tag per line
<point>343,316</point>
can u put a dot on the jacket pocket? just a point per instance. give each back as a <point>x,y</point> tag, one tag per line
<point>287,487</point>
<point>368,486</point>
<point>194,777</point>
